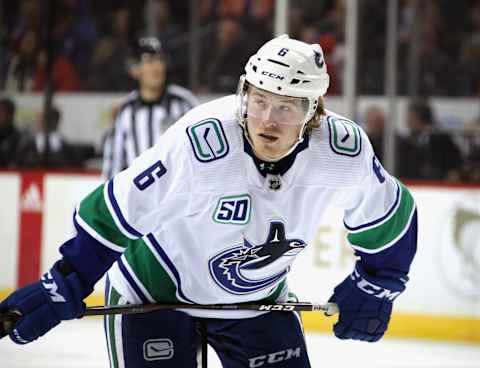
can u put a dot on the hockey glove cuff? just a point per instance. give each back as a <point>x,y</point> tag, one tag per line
<point>365,303</point>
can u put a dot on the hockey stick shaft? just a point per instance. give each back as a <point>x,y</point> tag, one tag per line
<point>10,317</point>
<point>328,308</point>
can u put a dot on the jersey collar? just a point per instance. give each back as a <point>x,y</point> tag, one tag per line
<point>279,167</point>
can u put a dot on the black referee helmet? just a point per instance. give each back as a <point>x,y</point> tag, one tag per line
<point>149,46</point>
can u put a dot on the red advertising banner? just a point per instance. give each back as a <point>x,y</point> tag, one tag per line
<point>30,236</point>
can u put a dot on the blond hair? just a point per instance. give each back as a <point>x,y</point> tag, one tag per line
<point>315,121</point>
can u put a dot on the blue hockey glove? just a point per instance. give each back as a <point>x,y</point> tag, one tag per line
<point>44,304</point>
<point>365,303</point>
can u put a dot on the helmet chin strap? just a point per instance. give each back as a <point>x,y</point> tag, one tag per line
<point>280,156</point>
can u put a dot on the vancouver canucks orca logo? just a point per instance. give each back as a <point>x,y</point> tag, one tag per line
<point>235,269</point>
<point>318,59</point>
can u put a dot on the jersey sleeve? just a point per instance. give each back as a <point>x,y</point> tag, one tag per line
<point>144,197</point>
<point>381,219</point>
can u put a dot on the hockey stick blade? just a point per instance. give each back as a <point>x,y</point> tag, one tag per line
<point>329,308</point>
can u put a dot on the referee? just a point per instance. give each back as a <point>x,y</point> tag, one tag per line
<point>147,111</point>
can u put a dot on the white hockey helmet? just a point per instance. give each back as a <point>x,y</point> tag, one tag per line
<point>286,67</point>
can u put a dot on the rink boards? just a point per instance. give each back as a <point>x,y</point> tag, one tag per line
<point>442,300</point>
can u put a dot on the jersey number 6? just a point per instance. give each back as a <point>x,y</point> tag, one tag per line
<point>147,177</point>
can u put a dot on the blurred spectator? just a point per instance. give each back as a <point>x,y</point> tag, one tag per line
<point>35,151</point>
<point>74,33</point>
<point>322,22</point>
<point>434,56</point>
<point>371,47</point>
<point>170,35</point>
<point>146,112</point>
<point>296,20</point>
<point>262,10</point>
<point>430,153</point>
<point>64,76</point>
<point>226,59</point>
<point>9,135</point>
<point>29,18</point>
<point>335,59</point>
<point>27,70</point>
<point>374,126</point>
<point>21,72</point>
<point>166,28</point>
<point>470,144</point>
<point>309,33</point>
<point>469,77</point>
<point>259,22</point>
<point>4,57</point>
<point>111,55</point>
<point>434,64</point>
<point>223,8</point>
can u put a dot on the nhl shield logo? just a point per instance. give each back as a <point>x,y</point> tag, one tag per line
<point>274,182</point>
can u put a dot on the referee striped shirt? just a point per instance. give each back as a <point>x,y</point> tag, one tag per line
<point>139,124</point>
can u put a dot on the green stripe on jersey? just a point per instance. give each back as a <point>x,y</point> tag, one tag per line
<point>150,272</point>
<point>386,232</point>
<point>113,299</point>
<point>275,294</point>
<point>94,211</point>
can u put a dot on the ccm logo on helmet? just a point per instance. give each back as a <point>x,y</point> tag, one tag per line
<point>273,75</point>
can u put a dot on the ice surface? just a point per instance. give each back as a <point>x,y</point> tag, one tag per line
<point>81,344</point>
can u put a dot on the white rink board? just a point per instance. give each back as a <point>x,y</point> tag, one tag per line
<point>9,223</point>
<point>62,195</point>
<point>444,275</point>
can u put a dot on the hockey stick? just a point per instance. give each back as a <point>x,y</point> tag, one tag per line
<point>9,318</point>
<point>328,308</point>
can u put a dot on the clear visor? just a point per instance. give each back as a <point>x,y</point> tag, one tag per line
<point>269,107</point>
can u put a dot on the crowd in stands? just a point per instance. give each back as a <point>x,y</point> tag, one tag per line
<point>93,42</point>
<point>91,45</point>
<point>427,152</point>
<point>42,146</point>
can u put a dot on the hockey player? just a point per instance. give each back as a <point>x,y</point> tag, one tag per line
<point>231,194</point>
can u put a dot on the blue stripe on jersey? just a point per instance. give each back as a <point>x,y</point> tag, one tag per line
<point>374,222</point>
<point>126,226</point>
<point>132,282</point>
<point>90,258</point>
<point>170,266</point>
<point>397,257</point>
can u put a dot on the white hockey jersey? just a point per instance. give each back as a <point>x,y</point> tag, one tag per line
<point>201,224</point>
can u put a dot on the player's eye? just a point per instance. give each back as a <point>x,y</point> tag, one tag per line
<point>260,103</point>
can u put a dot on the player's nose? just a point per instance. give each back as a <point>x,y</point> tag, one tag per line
<point>269,117</point>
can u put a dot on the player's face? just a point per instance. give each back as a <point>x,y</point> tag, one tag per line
<point>273,122</point>
<point>151,71</point>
